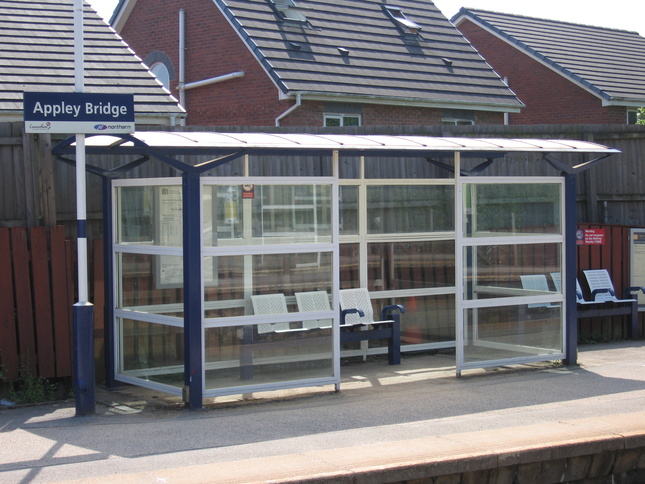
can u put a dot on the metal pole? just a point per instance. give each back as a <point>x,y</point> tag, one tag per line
<point>182,63</point>
<point>193,295</point>
<point>83,311</point>
<point>571,315</point>
<point>108,262</point>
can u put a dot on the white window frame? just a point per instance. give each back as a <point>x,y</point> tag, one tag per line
<point>342,118</point>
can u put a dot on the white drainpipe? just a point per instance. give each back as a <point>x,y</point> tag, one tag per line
<point>182,63</point>
<point>506,115</point>
<point>213,80</point>
<point>183,87</point>
<point>290,110</point>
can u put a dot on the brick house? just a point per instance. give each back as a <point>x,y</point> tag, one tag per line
<point>564,73</point>
<point>306,63</point>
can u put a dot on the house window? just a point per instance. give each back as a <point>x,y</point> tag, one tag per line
<point>342,114</point>
<point>402,22</point>
<point>635,116</point>
<point>342,120</point>
<point>161,66</point>
<point>458,117</point>
<point>160,70</point>
<point>288,10</point>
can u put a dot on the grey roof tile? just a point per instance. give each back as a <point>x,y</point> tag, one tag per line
<point>37,54</point>
<point>382,62</point>
<point>610,62</point>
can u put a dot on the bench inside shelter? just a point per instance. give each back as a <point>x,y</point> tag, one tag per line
<point>356,324</point>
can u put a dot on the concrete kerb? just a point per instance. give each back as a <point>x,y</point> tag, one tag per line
<point>564,446</point>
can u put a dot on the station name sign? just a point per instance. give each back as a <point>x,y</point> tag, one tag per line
<point>47,112</point>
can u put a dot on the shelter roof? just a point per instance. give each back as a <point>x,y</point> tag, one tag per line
<point>609,63</point>
<point>37,54</point>
<point>211,142</point>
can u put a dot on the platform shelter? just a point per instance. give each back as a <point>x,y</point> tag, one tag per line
<point>467,234</point>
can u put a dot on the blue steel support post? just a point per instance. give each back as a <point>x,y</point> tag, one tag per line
<point>571,315</point>
<point>83,349</point>
<point>108,264</point>
<point>193,366</point>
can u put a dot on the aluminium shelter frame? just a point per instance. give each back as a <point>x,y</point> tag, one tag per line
<point>226,147</point>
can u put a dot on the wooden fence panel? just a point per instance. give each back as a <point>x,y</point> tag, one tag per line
<point>42,302</point>
<point>8,340</point>
<point>36,292</point>
<point>24,301</point>
<point>62,292</point>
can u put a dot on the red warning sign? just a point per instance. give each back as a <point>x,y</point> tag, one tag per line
<point>248,191</point>
<point>590,236</point>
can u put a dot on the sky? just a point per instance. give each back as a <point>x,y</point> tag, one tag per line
<point>617,14</point>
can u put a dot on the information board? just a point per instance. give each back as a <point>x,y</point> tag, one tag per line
<point>72,112</point>
<point>637,261</point>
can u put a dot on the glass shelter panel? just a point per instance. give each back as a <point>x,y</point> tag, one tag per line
<point>402,209</point>
<point>150,283</point>
<point>253,214</point>
<point>149,215</point>
<point>511,270</point>
<point>429,319</point>
<point>286,274</point>
<point>239,356</point>
<point>502,209</point>
<point>512,332</point>
<point>151,352</point>
<point>348,201</point>
<point>349,266</point>
<point>411,265</point>
<point>513,246</point>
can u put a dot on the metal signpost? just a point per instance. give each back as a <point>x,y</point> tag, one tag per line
<point>82,114</point>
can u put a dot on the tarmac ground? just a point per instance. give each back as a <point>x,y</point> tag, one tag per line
<point>385,418</point>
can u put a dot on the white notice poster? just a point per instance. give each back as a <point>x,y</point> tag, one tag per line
<point>637,258</point>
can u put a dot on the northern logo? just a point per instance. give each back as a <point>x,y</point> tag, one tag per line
<point>100,127</point>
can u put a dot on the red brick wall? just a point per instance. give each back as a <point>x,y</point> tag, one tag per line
<point>548,96</point>
<point>311,114</point>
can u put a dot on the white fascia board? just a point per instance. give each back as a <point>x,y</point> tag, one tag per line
<point>630,103</point>
<point>123,15</point>
<point>409,102</point>
<point>529,54</point>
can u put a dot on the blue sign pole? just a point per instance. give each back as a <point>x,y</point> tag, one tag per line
<point>83,310</point>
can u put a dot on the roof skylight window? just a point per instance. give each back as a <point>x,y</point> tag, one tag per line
<point>401,21</point>
<point>288,10</point>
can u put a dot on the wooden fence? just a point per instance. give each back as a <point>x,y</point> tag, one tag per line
<point>36,292</point>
